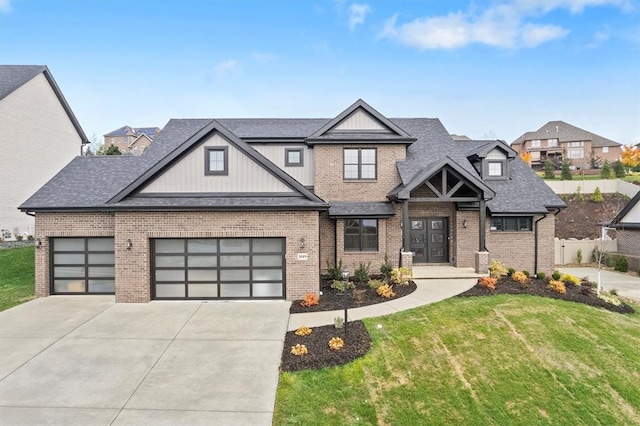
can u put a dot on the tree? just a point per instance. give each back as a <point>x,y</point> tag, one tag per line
<point>605,172</point>
<point>630,156</point>
<point>618,169</point>
<point>112,150</point>
<point>595,162</point>
<point>565,170</point>
<point>548,169</point>
<point>597,197</point>
<point>88,150</point>
<point>526,157</point>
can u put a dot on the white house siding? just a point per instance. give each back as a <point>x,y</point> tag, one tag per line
<point>275,154</point>
<point>37,139</point>
<point>632,216</point>
<point>188,174</point>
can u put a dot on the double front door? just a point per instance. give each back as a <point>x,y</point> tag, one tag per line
<point>430,240</point>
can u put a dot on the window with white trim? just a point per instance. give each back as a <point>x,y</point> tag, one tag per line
<point>575,153</point>
<point>535,143</point>
<point>293,157</point>
<point>216,161</point>
<point>552,142</point>
<point>605,149</point>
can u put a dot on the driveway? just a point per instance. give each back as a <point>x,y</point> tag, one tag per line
<point>626,285</point>
<point>79,360</point>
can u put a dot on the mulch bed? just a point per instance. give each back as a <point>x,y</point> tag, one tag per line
<point>584,293</point>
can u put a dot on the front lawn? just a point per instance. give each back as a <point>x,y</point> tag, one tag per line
<point>17,276</point>
<point>504,359</point>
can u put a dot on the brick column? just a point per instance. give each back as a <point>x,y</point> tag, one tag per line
<point>482,262</point>
<point>406,259</point>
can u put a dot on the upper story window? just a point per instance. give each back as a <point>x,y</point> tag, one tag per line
<point>216,161</point>
<point>360,163</point>
<point>552,142</point>
<point>576,144</point>
<point>361,235</point>
<point>495,169</point>
<point>293,157</point>
<point>605,149</point>
<point>535,143</point>
<point>511,224</point>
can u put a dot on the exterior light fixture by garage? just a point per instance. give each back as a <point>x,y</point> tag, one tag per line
<point>345,278</point>
<point>129,244</point>
<point>38,243</point>
<point>301,243</point>
<point>464,223</point>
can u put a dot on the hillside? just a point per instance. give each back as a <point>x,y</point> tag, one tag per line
<point>581,218</point>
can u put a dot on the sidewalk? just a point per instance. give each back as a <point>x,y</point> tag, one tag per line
<point>626,285</point>
<point>428,291</point>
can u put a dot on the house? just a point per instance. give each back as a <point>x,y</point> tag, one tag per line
<point>627,224</point>
<point>39,135</point>
<point>558,141</point>
<point>131,139</point>
<point>257,208</point>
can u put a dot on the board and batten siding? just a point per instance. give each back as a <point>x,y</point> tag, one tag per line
<point>496,154</point>
<point>37,139</point>
<point>188,174</point>
<point>359,120</point>
<point>276,154</point>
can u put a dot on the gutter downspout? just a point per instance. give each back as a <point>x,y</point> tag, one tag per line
<point>335,242</point>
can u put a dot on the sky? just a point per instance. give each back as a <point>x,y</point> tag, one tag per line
<point>486,69</point>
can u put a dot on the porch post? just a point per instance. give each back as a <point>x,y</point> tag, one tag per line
<point>406,233</point>
<point>483,226</point>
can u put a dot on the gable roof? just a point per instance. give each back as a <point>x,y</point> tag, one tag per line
<point>565,132</point>
<point>150,132</point>
<point>618,223</point>
<point>13,77</point>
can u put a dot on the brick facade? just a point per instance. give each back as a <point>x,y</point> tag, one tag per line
<point>629,246</point>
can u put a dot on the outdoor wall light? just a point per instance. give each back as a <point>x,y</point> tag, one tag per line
<point>464,223</point>
<point>38,243</point>
<point>301,243</point>
<point>128,245</point>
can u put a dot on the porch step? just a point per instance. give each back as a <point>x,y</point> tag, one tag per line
<point>443,272</point>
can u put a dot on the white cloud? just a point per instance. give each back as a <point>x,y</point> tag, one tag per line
<point>226,67</point>
<point>357,14</point>
<point>506,24</point>
<point>5,6</point>
<point>599,38</point>
<point>262,57</point>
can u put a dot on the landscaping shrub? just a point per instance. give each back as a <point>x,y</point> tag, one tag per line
<point>299,350</point>
<point>336,343</point>
<point>401,276</point>
<point>358,294</point>
<point>374,284</point>
<point>385,291</point>
<point>519,277</point>
<point>361,274</point>
<point>303,331</point>
<point>338,322</point>
<point>496,269</point>
<point>557,286</point>
<point>609,260</point>
<point>609,297</point>
<point>618,169</point>
<point>335,271</point>
<point>621,264</point>
<point>597,197</point>
<point>310,299</point>
<point>565,170</point>
<point>488,282</point>
<point>586,290</point>
<point>556,275</point>
<point>510,271</point>
<point>578,194</point>
<point>541,275</point>
<point>526,273</point>
<point>570,279</point>
<point>339,285</point>
<point>385,270</point>
<point>548,170</point>
<point>605,171</point>
<point>579,256</point>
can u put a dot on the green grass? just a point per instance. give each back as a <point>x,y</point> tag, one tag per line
<point>17,276</point>
<point>517,360</point>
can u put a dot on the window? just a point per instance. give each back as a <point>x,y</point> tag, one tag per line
<point>605,149</point>
<point>359,163</point>
<point>293,157</point>
<point>576,144</point>
<point>495,168</point>
<point>535,143</point>
<point>215,161</point>
<point>361,235</point>
<point>575,153</point>
<point>511,224</point>
<point>552,142</point>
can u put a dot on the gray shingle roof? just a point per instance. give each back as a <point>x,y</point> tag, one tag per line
<point>122,131</point>
<point>14,76</point>
<point>565,132</point>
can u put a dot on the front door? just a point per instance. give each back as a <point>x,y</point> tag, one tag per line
<point>430,240</point>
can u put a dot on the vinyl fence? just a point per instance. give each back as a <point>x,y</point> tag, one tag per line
<point>566,251</point>
<point>607,186</point>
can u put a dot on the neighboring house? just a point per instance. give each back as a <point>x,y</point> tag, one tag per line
<point>558,141</point>
<point>627,224</point>
<point>39,135</point>
<point>131,139</point>
<point>257,208</point>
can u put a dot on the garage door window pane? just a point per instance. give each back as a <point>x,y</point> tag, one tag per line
<point>170,290</point>
<point>73,259</point>
<point>169,246</point>
<point>202,246</point>
<point>267,274</point>
<point>234,260</point>
<point>263,245</point>
<point>234,246</point>
<point>101,271</point>
<point>69,244</point>
<point>267,289</point>
<point>169,261</point>
<point>101,259</point>
<point>266,260</point>
<point>202,275</point>
<point>203,290</point>
<point>68,271</point>
<point>170,275</point>
<point>102,286</point>
<point>68,286</point>
<point>234,290</point>
<point>234,275</point>
<point>203,261</point>
<point>100,244</point>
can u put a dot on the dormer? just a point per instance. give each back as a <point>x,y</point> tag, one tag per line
<point>492,160</point>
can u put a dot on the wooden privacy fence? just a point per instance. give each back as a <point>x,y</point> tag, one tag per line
<point>566,251</point>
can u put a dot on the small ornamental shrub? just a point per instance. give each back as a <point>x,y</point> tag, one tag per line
<point>605,171</point>
<point>611,298</point>
<point>621,264</point>
<point>30,238</point>
<point>565,170</point>
<point>401,276</point>
<point>304,331</point>
<point>556,275</point>
<point>510,271</point>
<point>557,286</point>
<point>336,343</point>
<point>338,322</point>
<point>579,256</point>
<point>597,197</point>
<point>19,237</point>
<point>385,291</point>
<point>519,277</point>
<point>527,273</point>
<point>358,294</point>
<point>335,271</point>
<point>613,292</point>
<point>548,169</point>
<point>570,279</point>
<point>361,274</point>
<point>299,350</point>
<point>374,284</point>
<point>496,269</point>
<point>488,282</point>
<point>618,169</point>
<point>310,299</point>
<point>541,275</point>
<point>385,270</point>
<point>339,285</point>
<point>609,260</point>
<point>578,194</point>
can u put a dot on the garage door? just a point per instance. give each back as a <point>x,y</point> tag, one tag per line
<point>82,266</point>
<point>218,268</point>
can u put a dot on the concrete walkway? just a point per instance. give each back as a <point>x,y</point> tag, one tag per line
<point>626,285</point>
<point>428,291</point>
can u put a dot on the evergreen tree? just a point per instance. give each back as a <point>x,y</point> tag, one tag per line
<point>595,162</point>
<point>605,172</point>
<point>618,169</point>
<point>112,150</point>
<point>597,197</point>
<point>548,169</point>
<point>565,170</point>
